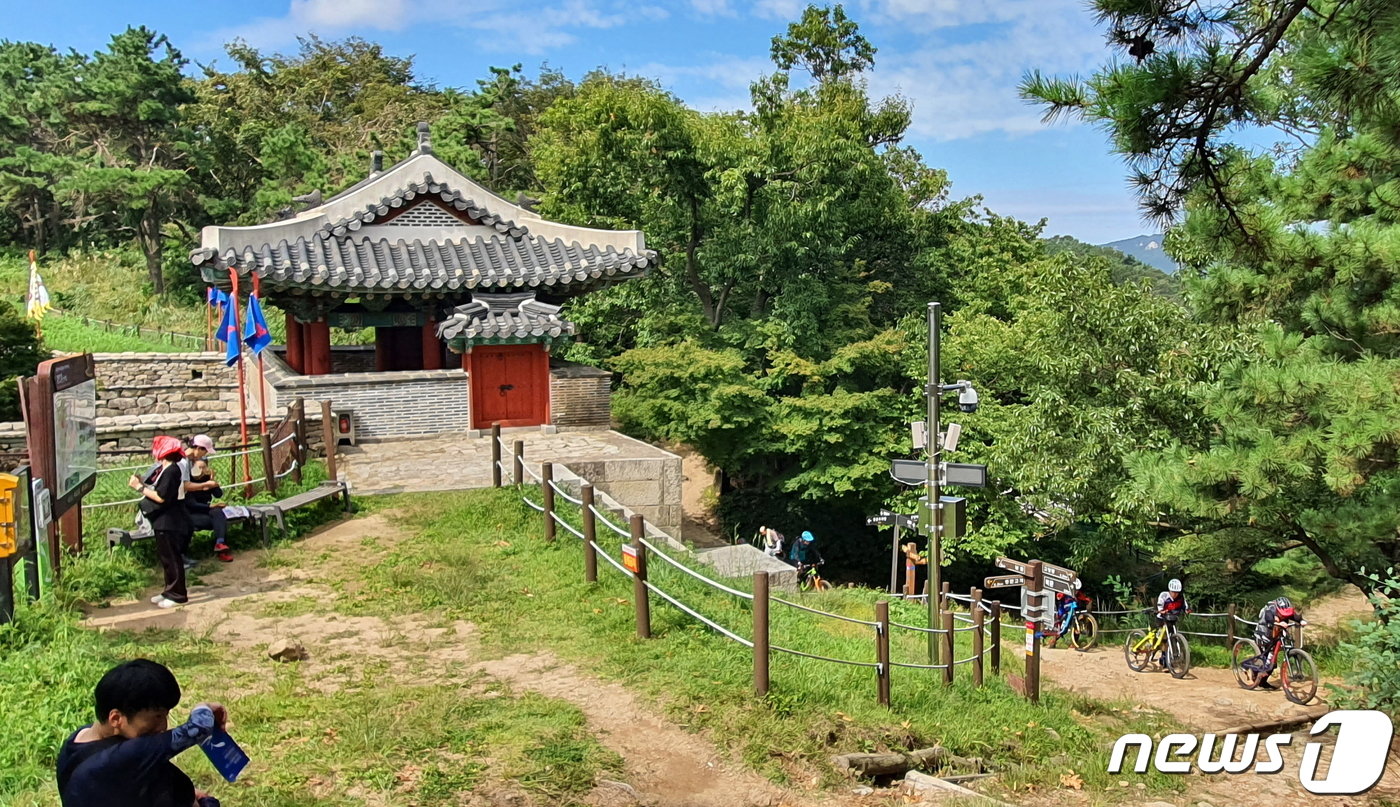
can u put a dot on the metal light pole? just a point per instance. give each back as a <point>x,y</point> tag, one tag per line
<point>934,520</point>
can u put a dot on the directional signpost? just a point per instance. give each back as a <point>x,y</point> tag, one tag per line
<point>1038,579</point>
<point>1004,581</point>
<point>886,518</point>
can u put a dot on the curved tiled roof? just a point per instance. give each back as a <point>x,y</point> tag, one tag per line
<point>505,317</point>
<point>380,265</point>
<point>427,188</point>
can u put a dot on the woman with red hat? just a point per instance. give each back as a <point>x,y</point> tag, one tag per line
<point>167,515</point>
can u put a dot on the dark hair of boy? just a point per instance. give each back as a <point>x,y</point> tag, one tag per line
<point>135,687</point>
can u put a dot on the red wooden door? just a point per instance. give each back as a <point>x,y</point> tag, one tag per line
<point>510,385</point>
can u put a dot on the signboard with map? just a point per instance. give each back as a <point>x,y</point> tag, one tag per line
<point>72,418</point>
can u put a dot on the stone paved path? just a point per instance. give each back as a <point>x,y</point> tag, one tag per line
<point>459,462</point>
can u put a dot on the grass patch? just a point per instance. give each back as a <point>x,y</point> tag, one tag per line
<point>479,556</point>
<point>407,745</point>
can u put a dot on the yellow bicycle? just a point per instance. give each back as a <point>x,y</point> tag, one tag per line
<point>1143,646</point>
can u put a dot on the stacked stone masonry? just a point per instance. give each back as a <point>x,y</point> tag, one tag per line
<point>141,395</point>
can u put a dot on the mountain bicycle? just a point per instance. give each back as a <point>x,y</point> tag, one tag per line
<point>1298,673</point>
<point>1080,626</point>
<point>809,580</point>
<point>1143,646</point>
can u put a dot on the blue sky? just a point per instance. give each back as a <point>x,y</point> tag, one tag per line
<point>957,61</point>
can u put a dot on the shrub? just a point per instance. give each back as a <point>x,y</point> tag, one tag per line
<point>1374,679</point>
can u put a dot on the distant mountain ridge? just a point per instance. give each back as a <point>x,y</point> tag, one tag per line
<point>1148,249</point>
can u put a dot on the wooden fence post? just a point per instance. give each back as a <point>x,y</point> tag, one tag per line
<point>328,436</point>
<point>496,456</point>
<point>299,441</point>
<point>995,637</point>
<point>269,470</point>
<point>547,486</point>
<point>518,462</point>
<point>760,633</point>
<point>590,529</point>
<point>1230,627</point>
<point>639,580</point>
<point>882,651</point>
<point>978,639</point>
<point>948,627</point>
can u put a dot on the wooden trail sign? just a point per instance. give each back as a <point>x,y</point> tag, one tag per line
<point>1004,581</point>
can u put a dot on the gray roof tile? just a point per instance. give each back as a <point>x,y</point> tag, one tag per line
<point>505,316</point>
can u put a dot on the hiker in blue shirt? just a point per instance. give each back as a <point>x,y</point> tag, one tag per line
<point>123,760</point>
<point>804,552</point>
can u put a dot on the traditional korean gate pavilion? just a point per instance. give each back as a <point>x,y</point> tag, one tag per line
<point>433,262</point>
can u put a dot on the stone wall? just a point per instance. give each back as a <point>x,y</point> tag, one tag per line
<point>135,432</point>
<point>411,403</point>
<point>580,396</point>
<point>649,486</point>
<point>160,383</point>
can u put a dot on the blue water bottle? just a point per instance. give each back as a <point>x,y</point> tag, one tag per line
<point>228,759</point>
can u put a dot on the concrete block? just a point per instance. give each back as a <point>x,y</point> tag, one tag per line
<point>742,560</point>
<point>635,470</point>
<point>635,494</point>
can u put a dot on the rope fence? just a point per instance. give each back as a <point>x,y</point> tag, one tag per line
<point>638,552</point>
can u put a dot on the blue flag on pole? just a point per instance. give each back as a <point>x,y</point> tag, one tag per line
<point>216,297</point>
<point>228,333</point>
<point>255,332</point>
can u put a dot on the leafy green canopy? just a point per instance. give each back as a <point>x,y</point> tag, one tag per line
<point>1299,249</point>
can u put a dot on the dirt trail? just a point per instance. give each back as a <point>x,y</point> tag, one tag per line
<point>1208,700</point>
<point>247,605</point>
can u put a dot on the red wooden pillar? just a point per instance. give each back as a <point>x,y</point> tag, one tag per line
<point>383,349</point>
<point>318,346</point>
<point>432,347</point>
<point>296,345</point>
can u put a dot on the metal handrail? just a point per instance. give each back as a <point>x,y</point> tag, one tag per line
<point>916,628</point>
<point>911,666</point>
<point>538,508</point>
<point>528,472</point>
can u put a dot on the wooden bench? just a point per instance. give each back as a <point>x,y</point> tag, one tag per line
<point>118,536</point>
<point>277,510</point>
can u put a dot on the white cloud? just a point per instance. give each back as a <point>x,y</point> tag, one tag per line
<point>963,85</point>
<point>712,8</point>
<point>508,27</point>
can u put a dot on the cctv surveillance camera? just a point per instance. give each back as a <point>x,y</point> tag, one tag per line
<point>967,399</point>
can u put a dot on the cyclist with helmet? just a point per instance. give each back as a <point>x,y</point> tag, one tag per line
<point>1274,618</point>
<point>804,554</point>
<point>1063,602</point>
<point>1171,606</point>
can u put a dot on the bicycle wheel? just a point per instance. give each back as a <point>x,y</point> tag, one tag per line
<point>820,583</point>
<point>1245,649</point>
<point>1178,655</point>
<point>1299,674</point>
<point>1084,631</point>
<point>1137,651</point>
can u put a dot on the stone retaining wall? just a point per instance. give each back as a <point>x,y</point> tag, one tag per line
<point>136,431</point>
<point>650,486</point>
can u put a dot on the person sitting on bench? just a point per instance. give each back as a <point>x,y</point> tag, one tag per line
<point>203,512</point>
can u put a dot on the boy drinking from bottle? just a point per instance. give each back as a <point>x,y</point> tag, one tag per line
<point>123,760</point>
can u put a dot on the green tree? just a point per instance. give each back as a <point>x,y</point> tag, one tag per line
<point>1293,246</point>
<point>20,354</point>
<point>826,43</point>
<point>137,160</point>
<point>36,84</point>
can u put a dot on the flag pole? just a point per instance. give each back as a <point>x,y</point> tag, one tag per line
<point>208,317</point>
<point>237,335</point>
<point>262,369</point>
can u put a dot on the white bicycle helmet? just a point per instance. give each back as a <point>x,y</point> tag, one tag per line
<point>1174,586</point>
<point>1077,585</point>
